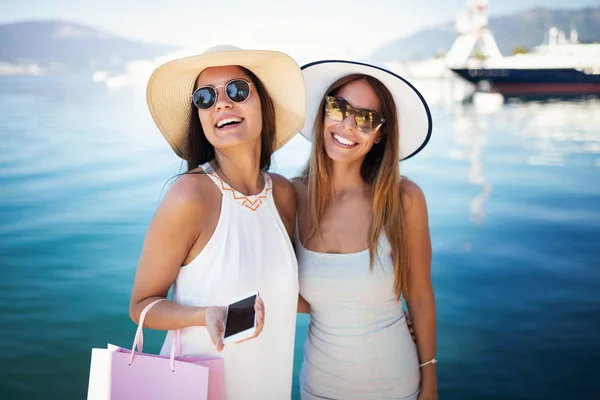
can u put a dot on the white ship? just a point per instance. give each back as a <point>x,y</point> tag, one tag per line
<point>561,66</point>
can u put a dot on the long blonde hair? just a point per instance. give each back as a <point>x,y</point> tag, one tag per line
<point>380,170</point>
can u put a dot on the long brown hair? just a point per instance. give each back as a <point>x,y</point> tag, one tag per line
<point>380,171</point>
<point>199,148</point>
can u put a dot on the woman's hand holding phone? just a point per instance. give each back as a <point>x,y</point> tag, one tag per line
<point>216,316</point>
<point>215,323</point>
<point>259,309</point>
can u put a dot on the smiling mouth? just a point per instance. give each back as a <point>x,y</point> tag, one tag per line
<point>228,122</point>
<point>342,141</point>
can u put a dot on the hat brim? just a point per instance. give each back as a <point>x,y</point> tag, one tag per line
<point>414,116</point>
<point>170,87</point>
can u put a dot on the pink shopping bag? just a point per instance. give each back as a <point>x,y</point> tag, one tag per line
<point>216,375</point>
<point>117,373</point>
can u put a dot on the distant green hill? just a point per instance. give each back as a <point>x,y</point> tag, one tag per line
<point>61,47</point>
<point>527,28</point>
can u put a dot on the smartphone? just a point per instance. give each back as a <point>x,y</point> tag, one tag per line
<point>240,321</point>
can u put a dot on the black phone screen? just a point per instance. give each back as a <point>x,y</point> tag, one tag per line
<point>240,316</point>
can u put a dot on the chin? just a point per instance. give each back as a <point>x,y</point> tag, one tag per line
<point>237,141</point>
<point>232,139</point>
<point>340,156</point>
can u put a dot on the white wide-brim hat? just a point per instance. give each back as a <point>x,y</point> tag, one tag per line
<point>171,85</point>
<point>414,117</point>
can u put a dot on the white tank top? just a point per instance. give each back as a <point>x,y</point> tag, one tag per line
<point>249,250</point>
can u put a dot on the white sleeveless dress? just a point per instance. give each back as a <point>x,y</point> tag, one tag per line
<point>358,345</point>
<point>249,250</point>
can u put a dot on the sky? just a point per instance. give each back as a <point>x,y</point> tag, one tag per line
<point>355,27</point>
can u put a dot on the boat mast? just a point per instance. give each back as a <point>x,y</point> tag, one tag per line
<point>472,28</point>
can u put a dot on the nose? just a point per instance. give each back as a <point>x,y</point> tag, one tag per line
<point>222,99</point>
<point>349,122</point>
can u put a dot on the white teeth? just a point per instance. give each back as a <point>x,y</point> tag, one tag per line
<point>343,140</point>
<point>227,120</point>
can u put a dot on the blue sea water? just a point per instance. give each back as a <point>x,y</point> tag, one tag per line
<point>514,206</point>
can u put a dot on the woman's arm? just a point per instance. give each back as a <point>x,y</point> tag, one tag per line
<point>176,226</point>
<point>300,190</point>
<point>171,234</point>
<point>420,298</point>
<point>303,306</point>
<point>285,200</point>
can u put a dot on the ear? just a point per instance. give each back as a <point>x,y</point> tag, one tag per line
<point>379,137</point>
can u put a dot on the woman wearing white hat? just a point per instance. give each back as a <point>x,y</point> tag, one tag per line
<point>223,229</point>
<point>362,237</point>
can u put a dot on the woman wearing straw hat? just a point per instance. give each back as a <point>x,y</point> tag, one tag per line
<point>362,237</point>
<point>223,229</point>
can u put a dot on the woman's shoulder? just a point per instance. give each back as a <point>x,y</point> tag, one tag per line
<point>280,181</point>
<point>300,186</point>
<point>186,204</point>
<point>285,201</point>
<point>411,194</point>
<point>193,190</point>
<point>283,191</point>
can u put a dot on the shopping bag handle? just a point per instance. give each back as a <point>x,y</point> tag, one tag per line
<point>138,341</point>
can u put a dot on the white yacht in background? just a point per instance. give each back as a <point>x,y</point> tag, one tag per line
<point>562,66</point>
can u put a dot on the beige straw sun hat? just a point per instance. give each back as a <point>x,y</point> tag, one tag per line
<point>171,85</point>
